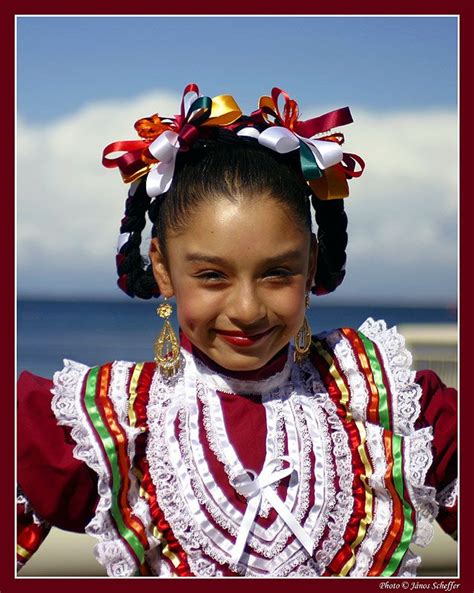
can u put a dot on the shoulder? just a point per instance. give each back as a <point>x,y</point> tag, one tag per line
<point>119,387</point>
<point>371,368</point>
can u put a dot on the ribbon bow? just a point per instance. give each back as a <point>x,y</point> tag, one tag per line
<point>255,487</point>
<point>323,163</point>
<point>163,138</point>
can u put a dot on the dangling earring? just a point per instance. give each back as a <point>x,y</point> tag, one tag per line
<point>166,345</point>
<point>303,338</point>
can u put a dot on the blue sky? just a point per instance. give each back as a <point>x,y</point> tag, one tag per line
<point>398,74</point>
<point>384,63</point>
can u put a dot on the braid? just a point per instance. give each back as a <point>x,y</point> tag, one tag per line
<point>135,275</point>
<point>332,238</point>
<point>228,165</point>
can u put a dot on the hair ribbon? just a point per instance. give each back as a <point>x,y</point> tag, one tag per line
<point>163,138</point>
<point>323,163</point>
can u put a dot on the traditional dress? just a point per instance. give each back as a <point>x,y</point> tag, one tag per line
<point>333,466</point>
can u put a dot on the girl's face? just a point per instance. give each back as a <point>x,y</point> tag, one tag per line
<point>239,272</point>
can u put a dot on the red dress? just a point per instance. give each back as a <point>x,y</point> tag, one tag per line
<point>359,451</point>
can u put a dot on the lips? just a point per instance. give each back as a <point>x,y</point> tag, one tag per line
<point>239,338</point>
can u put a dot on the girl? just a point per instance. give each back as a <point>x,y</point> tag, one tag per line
<point>238,452</point>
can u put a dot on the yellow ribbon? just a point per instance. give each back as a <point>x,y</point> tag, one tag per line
<point>224,111</point>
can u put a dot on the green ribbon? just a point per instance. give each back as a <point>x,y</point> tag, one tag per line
<point>201,103</point>
<point>378,377</point>
<point>111,452</point>
<point>308,163</point>
<point>397,470</point>
<point>408,527</point>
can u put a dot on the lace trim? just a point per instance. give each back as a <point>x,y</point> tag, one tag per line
<point>219,442</point>
<point>173,468</point>
<point>309,401</point>
<point>382,518</point>
<point>417,460</point>
<point>244,387</point>
<point>169,482</point>
<point>359,394</point>
<point>340,514</point>
<point>139,506</point>
<point>409,565</point>
<point>448,497</point>
<point>397,363</point>
<point>66,405</point>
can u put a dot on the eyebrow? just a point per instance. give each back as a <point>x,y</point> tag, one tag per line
<point>280,258</point>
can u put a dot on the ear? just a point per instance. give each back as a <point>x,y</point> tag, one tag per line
<point>313,262</point>
<point>160,269</point>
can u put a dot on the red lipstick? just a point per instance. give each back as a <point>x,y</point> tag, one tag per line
<point>239,338</point>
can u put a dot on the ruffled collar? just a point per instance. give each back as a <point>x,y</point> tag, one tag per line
<point>262,380</point>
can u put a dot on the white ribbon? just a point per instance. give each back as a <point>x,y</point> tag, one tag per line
<point>325,152</point>
<point>283,140</point>
<point>164,148</point>
<point>189,99</point>
<point>279,139</point>
<point>256,487</point>
<point>123,238</point>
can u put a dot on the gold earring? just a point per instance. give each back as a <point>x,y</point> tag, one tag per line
<point>166,345</point>
<point>303,338</point>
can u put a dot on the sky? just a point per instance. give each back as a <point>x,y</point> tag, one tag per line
<point>82,82</point>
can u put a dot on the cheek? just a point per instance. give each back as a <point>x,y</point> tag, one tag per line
<point>290,304</point>
<point>194,311</point>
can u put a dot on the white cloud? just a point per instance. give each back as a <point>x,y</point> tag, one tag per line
<point>402,211</point>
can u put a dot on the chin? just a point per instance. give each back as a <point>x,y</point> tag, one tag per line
<point>242,362</point>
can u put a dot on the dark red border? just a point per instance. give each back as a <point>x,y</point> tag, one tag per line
<point>8,10</point>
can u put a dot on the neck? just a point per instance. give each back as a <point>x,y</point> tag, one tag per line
<point>275,365</point>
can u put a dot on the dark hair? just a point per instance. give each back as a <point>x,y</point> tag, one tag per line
<point>232,166</point>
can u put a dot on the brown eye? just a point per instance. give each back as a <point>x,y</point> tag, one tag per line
<point>279,273</point>
<point>210,276</point>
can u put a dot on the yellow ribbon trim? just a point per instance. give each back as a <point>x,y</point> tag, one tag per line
<point>362,454</point>
<point>133,392</point>
<point>21,551</point>
<point>224,111</point>
<point>166,549</point>
<point>337,377</point>
<point>155,531</point>
<point>367,520</point>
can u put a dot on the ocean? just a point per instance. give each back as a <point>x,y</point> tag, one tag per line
<point>94,332</point>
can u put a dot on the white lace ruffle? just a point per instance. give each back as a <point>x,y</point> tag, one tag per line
<point>239,386</point>
<point>409,565</point>
<point>383,505</point>
<point>185,487</point>
<point>397,364</point>
<point>417,458</point>
<point>406,410</point>
<point>448,497</point>
<point>111,551</point>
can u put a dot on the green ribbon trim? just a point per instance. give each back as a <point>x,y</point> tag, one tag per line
<point>308,163</point>
<point>201,103</point>
<point>408,527</point>
<point>111,452</point>
<point>397,470</point>
<point>376,369</point>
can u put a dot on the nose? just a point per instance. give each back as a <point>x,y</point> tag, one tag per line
<point>245,307</point>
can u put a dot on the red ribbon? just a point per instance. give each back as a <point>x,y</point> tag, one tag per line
<point>289,118</point>
<point>137,160</point>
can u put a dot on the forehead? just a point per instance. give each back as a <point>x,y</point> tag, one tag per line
<point>246,227</point>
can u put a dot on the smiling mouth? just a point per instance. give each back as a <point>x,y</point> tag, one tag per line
<point>239,338</point>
